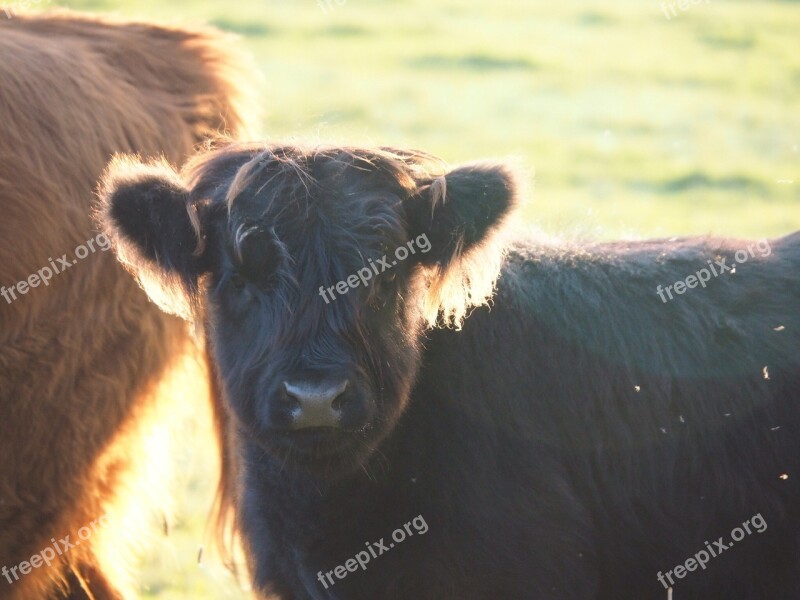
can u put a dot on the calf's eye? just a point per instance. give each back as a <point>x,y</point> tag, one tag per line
<point>238,282</point>
<point>387,281</point>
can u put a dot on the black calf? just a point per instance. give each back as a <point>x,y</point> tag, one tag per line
<point>583,436</point>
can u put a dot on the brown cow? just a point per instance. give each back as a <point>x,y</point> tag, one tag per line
<point>85,359</point>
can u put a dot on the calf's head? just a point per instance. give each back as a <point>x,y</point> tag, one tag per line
<point>315,273</point>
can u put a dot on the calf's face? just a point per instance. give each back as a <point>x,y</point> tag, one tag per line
<point>315,273</point>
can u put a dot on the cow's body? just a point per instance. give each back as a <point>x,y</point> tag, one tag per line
<point>579,437</point>
<point>575,440</point>
<point>85,362</point>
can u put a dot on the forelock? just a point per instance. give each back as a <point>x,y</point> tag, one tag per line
<point>353,194</point>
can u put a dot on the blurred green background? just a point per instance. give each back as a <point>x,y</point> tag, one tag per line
<point>635,124</point>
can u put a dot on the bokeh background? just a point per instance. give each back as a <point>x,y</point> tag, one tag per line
<point>635,124</point>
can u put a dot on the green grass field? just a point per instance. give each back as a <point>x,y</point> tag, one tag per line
<point>635,125</point>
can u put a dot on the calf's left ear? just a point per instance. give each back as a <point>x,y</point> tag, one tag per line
<point>461,210</point>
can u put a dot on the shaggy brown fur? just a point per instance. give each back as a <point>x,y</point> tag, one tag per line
<point>85,362</point>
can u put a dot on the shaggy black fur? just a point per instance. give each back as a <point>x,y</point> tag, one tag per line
<point>575,438</point>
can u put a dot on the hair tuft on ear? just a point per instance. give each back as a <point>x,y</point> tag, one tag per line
<point>147,212</point>
<point>463,214</point>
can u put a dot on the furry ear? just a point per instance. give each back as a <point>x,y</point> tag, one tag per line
<point>460,213</point>
<point>147,212</point>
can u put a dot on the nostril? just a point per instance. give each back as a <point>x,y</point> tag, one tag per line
<point>288,401</point>
<point>341,398</point>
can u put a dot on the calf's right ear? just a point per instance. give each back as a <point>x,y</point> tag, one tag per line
<point>155,228</point>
